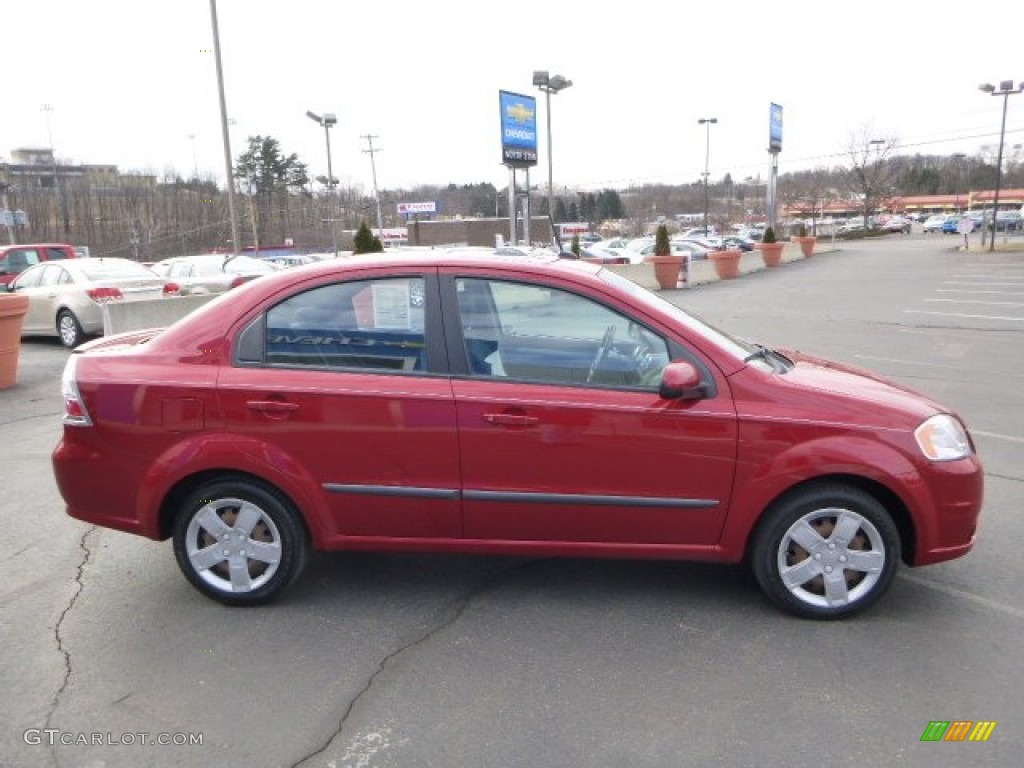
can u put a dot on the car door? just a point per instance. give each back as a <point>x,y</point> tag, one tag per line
<point>562,432</point>
<point>348,382</point>
<point>38,318</point>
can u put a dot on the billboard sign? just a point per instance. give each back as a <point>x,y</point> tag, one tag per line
<point>518,129</point>
<point>428,207</point>
<point>775,129</point>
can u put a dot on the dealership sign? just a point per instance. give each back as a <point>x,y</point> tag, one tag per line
<point>518,129</point>
<point>407,208</point>
<point>775,129</point>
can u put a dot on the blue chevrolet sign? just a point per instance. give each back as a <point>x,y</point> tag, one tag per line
<point>518,129</point>
<point>775,129</point>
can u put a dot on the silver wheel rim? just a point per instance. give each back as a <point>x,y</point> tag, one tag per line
<point>67,329</point>
<point>233,545</point>
<point>831,557</point>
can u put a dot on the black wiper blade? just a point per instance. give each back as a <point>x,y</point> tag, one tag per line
<point>762,353</point>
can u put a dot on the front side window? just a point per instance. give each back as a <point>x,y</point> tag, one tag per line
<point>369,324</point>
<point>54,254</point>
<point>544,334</point>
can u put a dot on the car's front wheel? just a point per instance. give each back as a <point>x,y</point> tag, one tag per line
<point>826,552</point>
<point>238,543</point>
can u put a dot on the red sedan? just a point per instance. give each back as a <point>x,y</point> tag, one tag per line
<point>466,402</point>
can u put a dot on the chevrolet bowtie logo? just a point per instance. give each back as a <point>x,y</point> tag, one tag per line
<point>519,112</point>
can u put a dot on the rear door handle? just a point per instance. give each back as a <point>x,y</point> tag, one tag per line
<point>510,419</point>
<point>272,407</point>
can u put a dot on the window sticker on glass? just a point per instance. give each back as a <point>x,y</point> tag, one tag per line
<point>391,306</point>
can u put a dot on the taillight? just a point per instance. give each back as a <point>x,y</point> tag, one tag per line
<point>237,282</point>
<point>104,294</point>
<point>172,289</point>
<point>75,412</point>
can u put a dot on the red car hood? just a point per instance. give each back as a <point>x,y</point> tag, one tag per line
<point>864,397</point>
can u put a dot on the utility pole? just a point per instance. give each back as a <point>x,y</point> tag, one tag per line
<point>373,167</point>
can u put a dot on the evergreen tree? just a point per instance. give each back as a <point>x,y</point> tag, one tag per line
<point>364,240</point>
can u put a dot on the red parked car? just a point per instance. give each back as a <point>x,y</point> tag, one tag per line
<point>15,259</point>
<point>325,407</point>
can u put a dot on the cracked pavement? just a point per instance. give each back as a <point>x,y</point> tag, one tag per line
<point>431,660</point>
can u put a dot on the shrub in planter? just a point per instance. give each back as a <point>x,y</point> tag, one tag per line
<point>666,264</point>
<point>770,248</point>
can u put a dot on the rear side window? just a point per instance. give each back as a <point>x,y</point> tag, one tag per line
<point>55,254</point>
<point>366,324</point>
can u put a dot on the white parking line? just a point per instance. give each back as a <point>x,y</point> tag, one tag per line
<point>954,592</point>
<point>984,285</point>
<point>958,314</point>
<point>999,293</point>
<point>997,436</point>
<point>980,301</point>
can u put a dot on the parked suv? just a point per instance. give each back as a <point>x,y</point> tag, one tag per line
<point>15,259</point>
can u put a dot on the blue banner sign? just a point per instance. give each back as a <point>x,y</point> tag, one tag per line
<point>518,129</point>
<point>775,129</point>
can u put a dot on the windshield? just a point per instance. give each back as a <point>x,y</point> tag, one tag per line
<point>739,349</point>
<point>106,269</point>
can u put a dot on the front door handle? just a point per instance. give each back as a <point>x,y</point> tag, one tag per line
<point>510,419</point>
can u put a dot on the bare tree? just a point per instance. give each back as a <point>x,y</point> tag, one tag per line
<point>870,175</point>
<point>805,193</point>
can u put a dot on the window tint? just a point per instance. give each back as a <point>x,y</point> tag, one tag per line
<point>29,278</point>
<point>539,333</point>
<point>51,275</point>
<point>370,324</point>
<point>181,269</point>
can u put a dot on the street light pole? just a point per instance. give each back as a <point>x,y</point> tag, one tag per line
<point>707,122</point>
<point>549,84</point>
<point>225,137</point>
<point>327,120</point>
<point>373,167</point>
<point>1006,89</point>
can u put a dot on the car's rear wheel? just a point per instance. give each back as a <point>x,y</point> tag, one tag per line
<point>238,543</point>
<point>69,329</point>
<point>826,552</point>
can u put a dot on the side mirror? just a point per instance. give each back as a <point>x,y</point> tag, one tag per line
<point>681,381</point>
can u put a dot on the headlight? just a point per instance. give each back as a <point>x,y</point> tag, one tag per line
<point>942,438</point>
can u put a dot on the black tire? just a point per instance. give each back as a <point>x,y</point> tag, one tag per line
<point>69,329</point>
<point>239,563</point>
<point>802,561</point>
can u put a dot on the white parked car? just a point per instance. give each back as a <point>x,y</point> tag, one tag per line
<point>934,223</point>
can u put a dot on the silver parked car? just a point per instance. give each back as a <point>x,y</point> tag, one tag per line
<point>212,272</point>
<point>65,297</point>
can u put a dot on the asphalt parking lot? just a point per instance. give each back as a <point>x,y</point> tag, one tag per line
<point>419,660</point>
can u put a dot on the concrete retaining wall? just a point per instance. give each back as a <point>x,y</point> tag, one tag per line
<point>121,316</point>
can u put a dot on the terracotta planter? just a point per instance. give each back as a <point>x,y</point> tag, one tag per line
<point>771,253</point>
<point>667,270</point>
<point>727,263</point>
<point>806,244</point>
<point>12,313</point>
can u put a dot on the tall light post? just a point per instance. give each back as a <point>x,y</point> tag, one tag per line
<point>707,122</point>
<point>372,151</point>
<point>225,137</point>
<point>327,120</point>
<point>550,84</point>
<point>870,205</point>
<point>1006,89</point>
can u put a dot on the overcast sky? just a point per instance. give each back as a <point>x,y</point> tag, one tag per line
<point>129,81</point>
